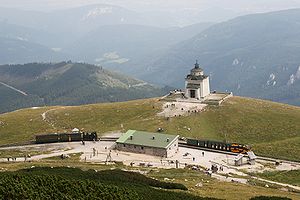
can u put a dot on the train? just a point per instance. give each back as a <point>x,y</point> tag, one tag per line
<point>65,137</point>
<point>221,146</point>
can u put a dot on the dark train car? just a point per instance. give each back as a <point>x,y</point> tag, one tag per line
<point>47,138</point>
<point>222,146</point>
<point>65,137</point>
<point>70,137</point>
<point>75,136</point>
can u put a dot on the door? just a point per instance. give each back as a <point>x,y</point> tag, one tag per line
<point>192,93</point>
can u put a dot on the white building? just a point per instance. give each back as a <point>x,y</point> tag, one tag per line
<point>197,84</point>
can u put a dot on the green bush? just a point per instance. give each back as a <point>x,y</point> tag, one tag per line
<point>73,183</point>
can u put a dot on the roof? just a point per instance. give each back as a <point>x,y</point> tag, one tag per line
<point>251,155</point>
<point>142,138</point>
<point>197,65</point>
<point>238,157</point>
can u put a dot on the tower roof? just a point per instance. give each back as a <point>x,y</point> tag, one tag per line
<point>197,67</point>
<point>196,64</point>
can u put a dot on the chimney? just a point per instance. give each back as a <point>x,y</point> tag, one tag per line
<point>131,137</point>
<point>168,140</point>
<point>153,138</point>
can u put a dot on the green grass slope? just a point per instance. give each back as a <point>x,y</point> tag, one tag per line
<point>272,129</point>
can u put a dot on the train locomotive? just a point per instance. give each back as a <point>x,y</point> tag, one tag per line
<point>221,146</point>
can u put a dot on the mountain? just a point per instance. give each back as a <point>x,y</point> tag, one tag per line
<point>126,44</point>
<point>13,31</point>
<point>66,83</point>
<point>254,55</point>
<point>264,125</point>
<point>69,24</point>
<point>99,34</point>
<point>19,50</point>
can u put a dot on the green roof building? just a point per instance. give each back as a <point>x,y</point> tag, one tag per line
<point>156,144</point>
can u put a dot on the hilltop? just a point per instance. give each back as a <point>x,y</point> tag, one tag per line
<point>66,83</point>
<point>271,128</point>
<point>254,55</point>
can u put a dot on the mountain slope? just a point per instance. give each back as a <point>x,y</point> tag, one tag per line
<point>66,84</point>
<point>23,33</point>
<point>271,128</point>
<point>21,51</point>
<point>254,55</point>
<point>121,46</point>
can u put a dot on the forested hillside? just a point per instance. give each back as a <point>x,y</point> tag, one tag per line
<point>66,83</point>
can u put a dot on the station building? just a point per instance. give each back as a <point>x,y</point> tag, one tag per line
<point>156,144</point>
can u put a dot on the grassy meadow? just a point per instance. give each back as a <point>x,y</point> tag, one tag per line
<point>272,129</point>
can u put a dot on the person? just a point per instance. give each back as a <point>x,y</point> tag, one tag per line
<point>203,153</point>
<point>193,158</point>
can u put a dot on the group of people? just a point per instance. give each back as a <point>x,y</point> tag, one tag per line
<point>12,159</point>
<point>15,158</point>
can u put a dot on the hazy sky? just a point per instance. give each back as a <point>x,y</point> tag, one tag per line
<point>144,5</point>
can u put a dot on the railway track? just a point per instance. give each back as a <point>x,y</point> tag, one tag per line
<point>182,144</point>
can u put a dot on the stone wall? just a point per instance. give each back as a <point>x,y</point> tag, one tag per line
<point>205,90</point>
<point>142,149</point>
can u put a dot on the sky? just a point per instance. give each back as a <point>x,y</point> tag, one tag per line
<point>150,5</point>
<point>172,12</point>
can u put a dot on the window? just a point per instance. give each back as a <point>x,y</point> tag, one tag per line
<point>124,145</point>
<point>142,147</point>
<point>134,146</point>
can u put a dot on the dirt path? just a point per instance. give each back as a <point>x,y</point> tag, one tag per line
<point>277,183</point>
<point>44,116</point>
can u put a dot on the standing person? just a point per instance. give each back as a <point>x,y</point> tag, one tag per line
<point>202,153</point>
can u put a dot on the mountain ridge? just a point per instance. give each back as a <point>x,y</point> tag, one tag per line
<point>67,83</point>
